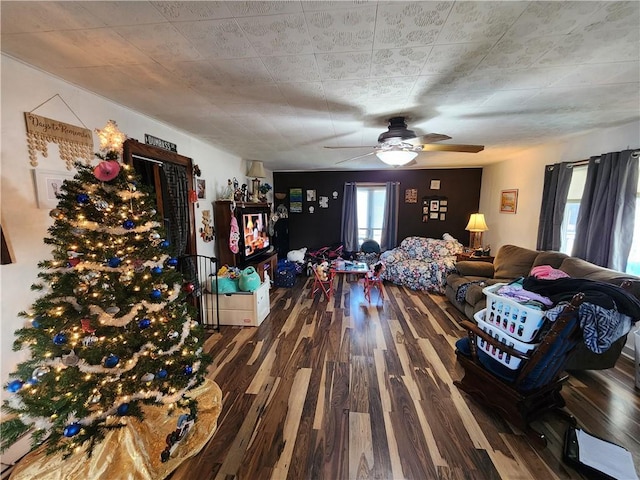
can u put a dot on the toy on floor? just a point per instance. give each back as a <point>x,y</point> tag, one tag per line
<point>376,270</point>
<point>297,255</point>
<point>322,270</point>
<point>373,280</point>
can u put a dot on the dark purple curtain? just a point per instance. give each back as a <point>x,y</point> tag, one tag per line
<point>604,231</point>
<point>557,179</point>
<point>349,226</point>
<point>390,220</point>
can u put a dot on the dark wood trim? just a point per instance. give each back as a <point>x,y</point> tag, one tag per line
<point>6,254</point>
<point>133,147</point>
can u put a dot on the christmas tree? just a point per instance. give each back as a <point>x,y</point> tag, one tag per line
<point>113,330</point>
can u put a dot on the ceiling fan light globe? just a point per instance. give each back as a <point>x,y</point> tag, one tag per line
<point>396,157</point>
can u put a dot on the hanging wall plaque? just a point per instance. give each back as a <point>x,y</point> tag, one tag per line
<point>73,142</point>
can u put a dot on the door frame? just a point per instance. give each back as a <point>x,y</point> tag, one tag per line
<point>133,148</point>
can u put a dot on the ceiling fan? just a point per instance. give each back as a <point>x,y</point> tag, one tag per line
<point>399,145</point>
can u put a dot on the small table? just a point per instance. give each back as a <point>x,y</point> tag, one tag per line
<point>349,268</point>
<point>356,268</point>
<point>470,257</point>
<point>359,268</point>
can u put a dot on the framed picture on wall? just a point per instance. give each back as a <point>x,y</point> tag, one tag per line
<point>311,195</point>
<point>295,200</point>
<point>202,188</point>
<point>508,201</point>
<point>48,184</point>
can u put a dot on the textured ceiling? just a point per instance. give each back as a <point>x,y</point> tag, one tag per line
<point>278,81</point>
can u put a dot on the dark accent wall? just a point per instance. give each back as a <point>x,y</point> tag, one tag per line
<point>314,230</point>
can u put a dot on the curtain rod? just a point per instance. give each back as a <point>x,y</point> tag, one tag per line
<point>369,184</point>
<point>579,163</point>
<point>147,159</point>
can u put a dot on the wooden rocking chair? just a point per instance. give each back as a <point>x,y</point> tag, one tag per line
<point>521,396</point>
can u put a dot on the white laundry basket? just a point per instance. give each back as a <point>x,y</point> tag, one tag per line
<point>516,320</point>
<point>504,358</point>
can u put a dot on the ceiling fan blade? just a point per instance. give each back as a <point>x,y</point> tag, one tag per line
<point>355,158</point>
<point>428,138</point>
<point>352,146</point>
<point>443,147</point>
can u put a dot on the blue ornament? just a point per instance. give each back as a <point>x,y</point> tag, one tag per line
<point>14,386</point>
<point>188,370</point>
<point>82,198</point>
<point>156,270</point>
<point>164,244</point>
<point>60,339</point>
<point>155,294</point>
<point>32,381</point>
<point>172,262</point>
<point>144,323</point>
<point>71,429</point>
<point>182,419</point>
<point>111,361</point>
<point>115,262</point>
<point>35,323</point>
<point>128,224</point>
<point>123,409</point>
<point>162,373</point>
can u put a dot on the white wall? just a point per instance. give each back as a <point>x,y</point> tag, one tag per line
<point>525,172</point>
<point>24,225</point>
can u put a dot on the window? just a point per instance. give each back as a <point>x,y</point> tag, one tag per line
<point>570,217</point>
<point>578,180</point>
<point>371,200</point>
<point>633,263</point>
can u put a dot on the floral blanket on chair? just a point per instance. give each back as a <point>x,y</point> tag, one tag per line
<point>421,263</point>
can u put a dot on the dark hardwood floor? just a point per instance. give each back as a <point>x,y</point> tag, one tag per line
<point>347,390</point>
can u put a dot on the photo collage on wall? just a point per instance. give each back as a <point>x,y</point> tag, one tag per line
<point>311,197</point>
<point>434,208</point>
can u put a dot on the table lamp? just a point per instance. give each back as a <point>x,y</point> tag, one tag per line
<point>476,226</point>
<point>257,172</point>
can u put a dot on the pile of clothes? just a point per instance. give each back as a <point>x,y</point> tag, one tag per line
<point>606,314</point>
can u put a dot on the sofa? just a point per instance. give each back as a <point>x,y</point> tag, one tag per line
<point>421,263</point>
<point>464,287</point>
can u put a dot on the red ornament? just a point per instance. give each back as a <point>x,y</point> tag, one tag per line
<point>73,261</point>
<point>86,326</point>
<point>107,170</point>
<point>189,287</point>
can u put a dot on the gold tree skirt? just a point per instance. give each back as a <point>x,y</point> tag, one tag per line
<point>132,452</point>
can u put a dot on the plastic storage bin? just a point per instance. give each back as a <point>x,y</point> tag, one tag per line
<point>507,360</point>
<point>517,320</point>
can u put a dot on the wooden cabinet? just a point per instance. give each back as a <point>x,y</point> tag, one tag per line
<point>222,219</point>
<point>222,222</point>
<point>268,263</point>
<point>247,309</point>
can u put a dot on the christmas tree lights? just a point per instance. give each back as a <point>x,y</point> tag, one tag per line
<point>112,330</point>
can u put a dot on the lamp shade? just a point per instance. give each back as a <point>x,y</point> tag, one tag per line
<point>477,223</point>
<point>396,157</point>
<point>256,170</point>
